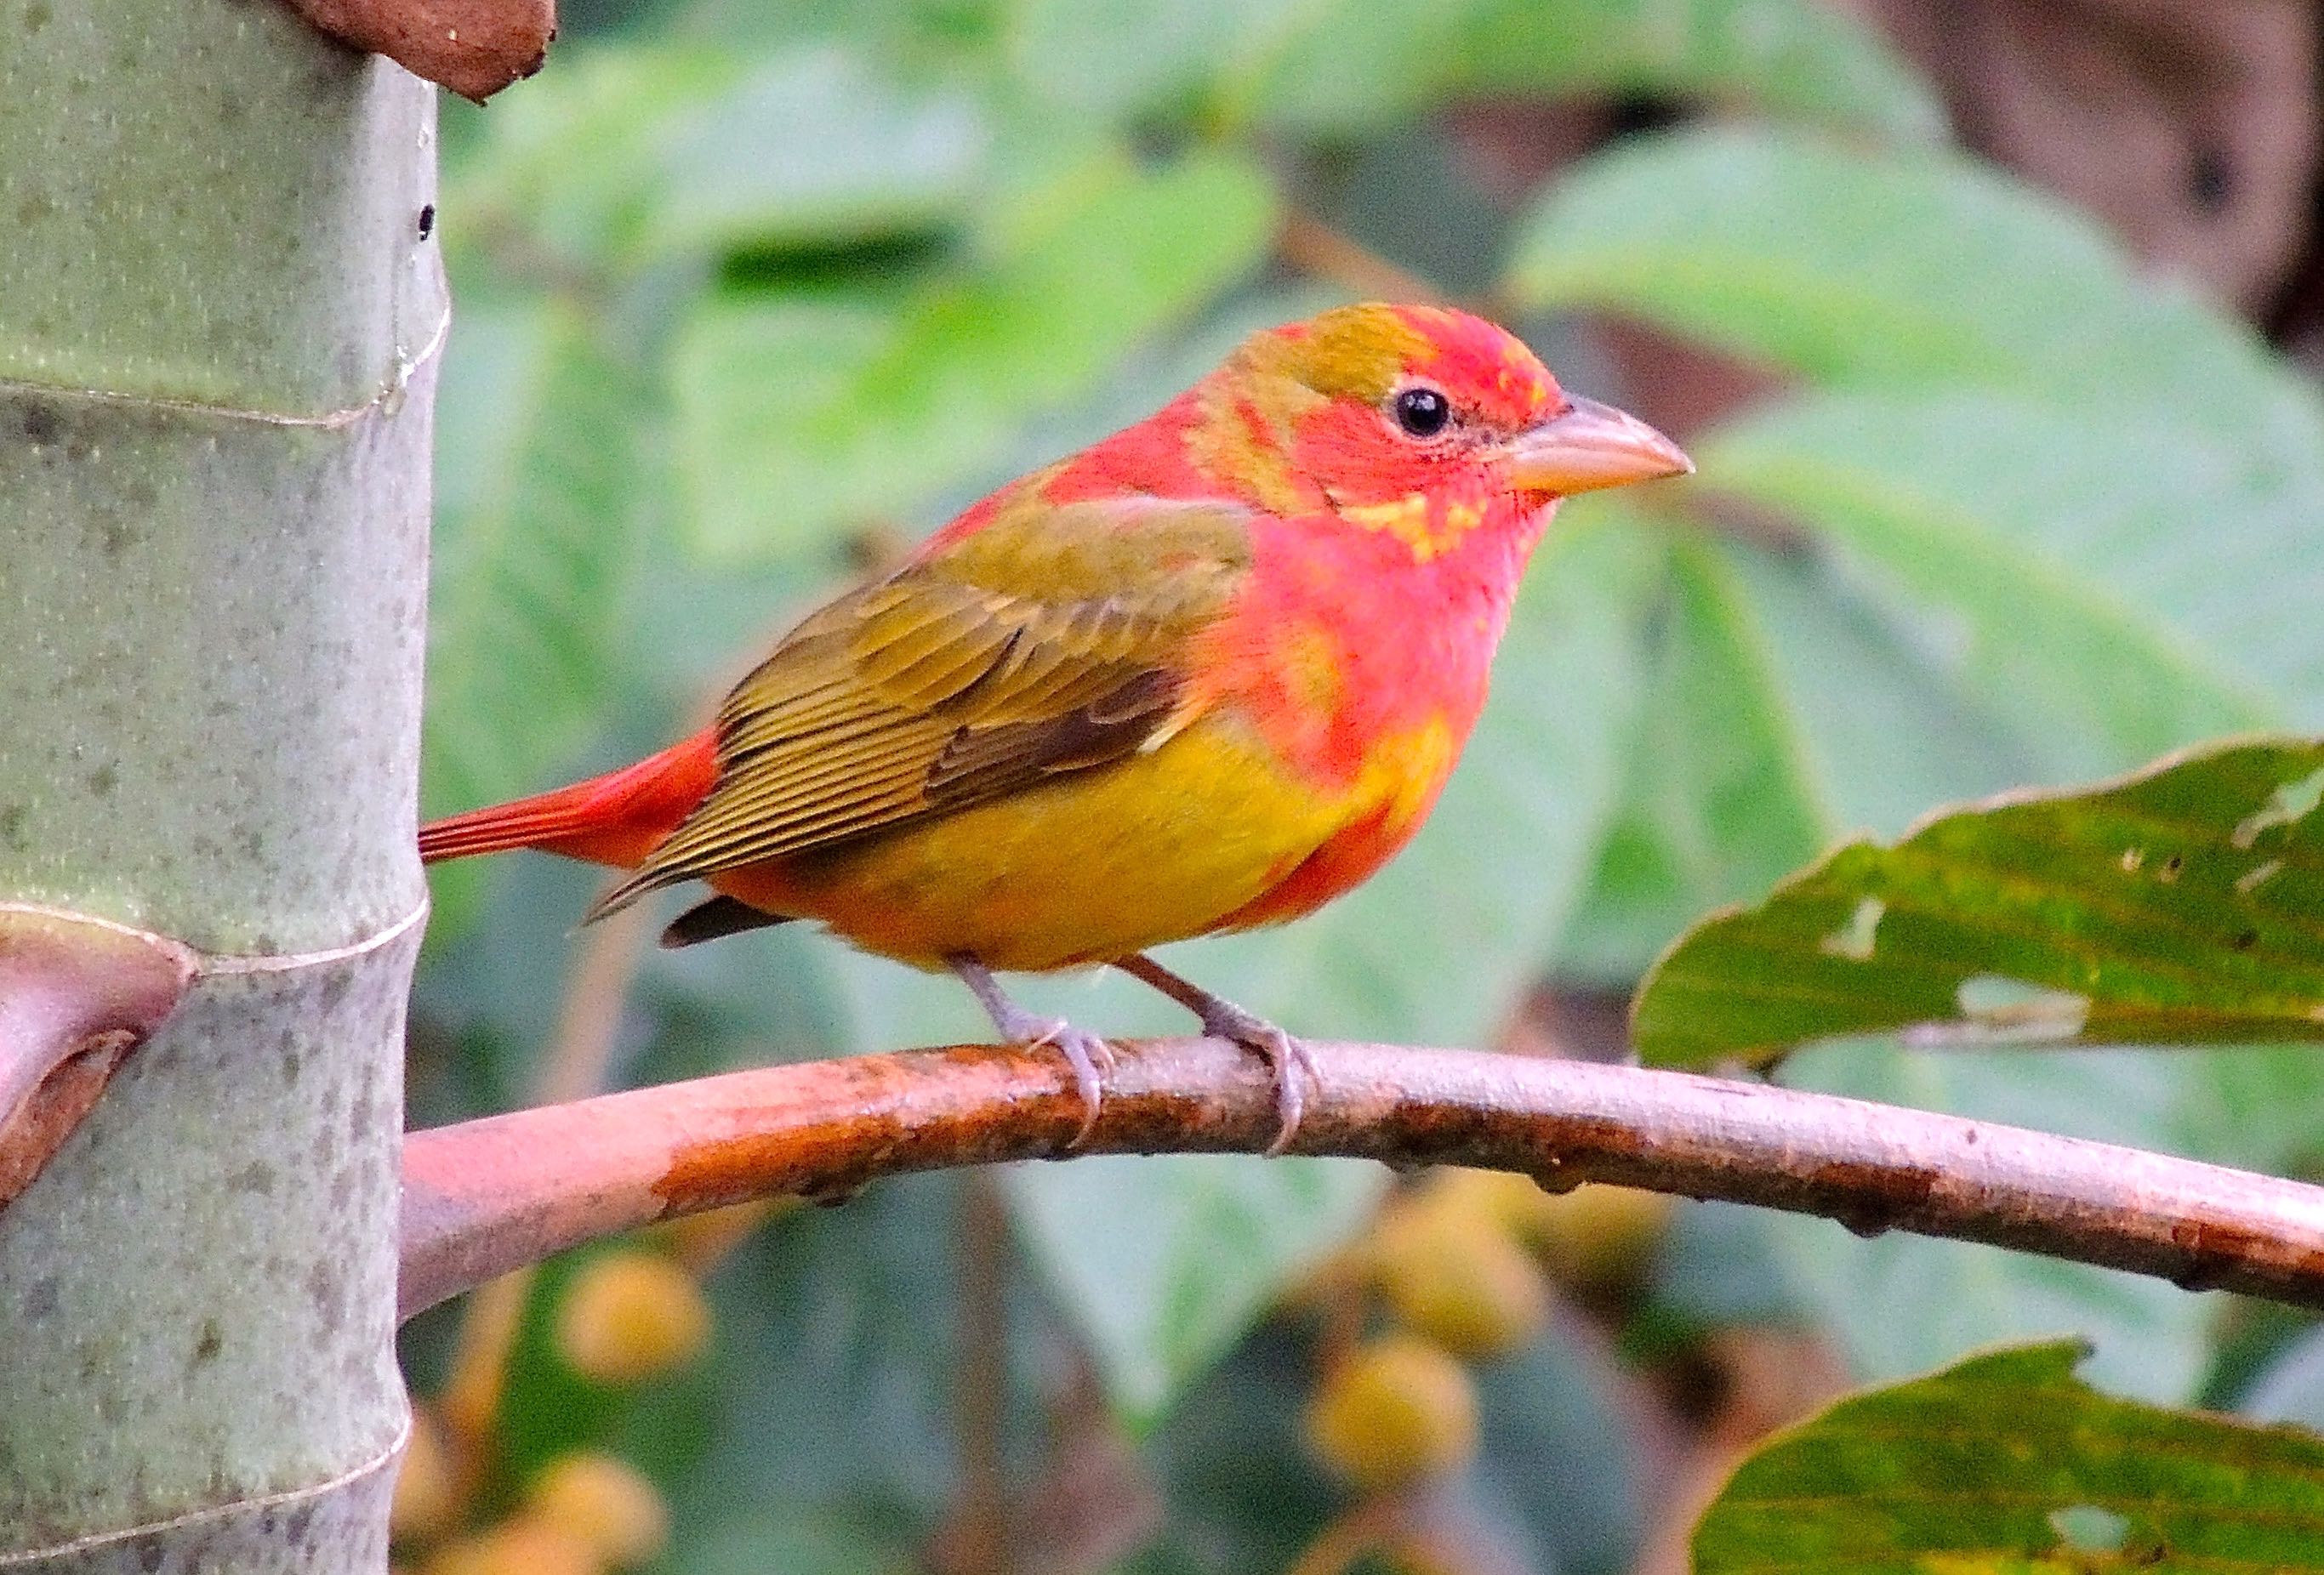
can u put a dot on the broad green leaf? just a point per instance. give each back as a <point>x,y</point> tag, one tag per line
<point>1557,1465</point>
<point>838,1350</point>
<point>2106,581</point>
<point>2173,907</point>
<point>2254,1106</point>
<point>537,449</point>
<point>1243,1493</point>
<point>2006,1462</point>
<point>799,411</point>
<point>1909,271</point>
<point>570,161</point>
<point>2291,1387</point>
<point>812,147</point>
<point>1850,666</point>
<point>626,155</point>
<point>1720,797</point>
<point>1126,56</point>
<point>1360,63</point>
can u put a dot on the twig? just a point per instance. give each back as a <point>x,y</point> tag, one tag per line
<point>589,1019</point>
<point>1308,245</point>
<point>485,1196</point>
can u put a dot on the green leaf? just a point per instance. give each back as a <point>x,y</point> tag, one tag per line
<point>537,451</point>
<point>2173,907</point>
<point>1850,667</point>
<point>1358,63</point>
<point>800,411</point>
<point>1909,270</point>
<point>2007,1462</point>
<point>812,147</point>
<point>625,156</point>
<point>2291,1387</point>
<point>2050,558</point>
<point>1721,798</point>
<point>571,161</point>
<point>1117,58</point>
<point>1557,1462</point>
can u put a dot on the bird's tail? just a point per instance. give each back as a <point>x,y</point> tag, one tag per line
<point>613,819</point>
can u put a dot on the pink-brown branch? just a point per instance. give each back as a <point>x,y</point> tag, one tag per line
<point>487,1196</point>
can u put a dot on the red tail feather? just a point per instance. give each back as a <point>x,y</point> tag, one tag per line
<point>613,819</point>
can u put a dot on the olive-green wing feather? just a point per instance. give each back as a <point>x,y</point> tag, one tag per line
<point>1054,640</point>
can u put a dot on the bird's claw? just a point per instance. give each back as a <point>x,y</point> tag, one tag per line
<point>1085,1053</point>
<point>1287,1057</point>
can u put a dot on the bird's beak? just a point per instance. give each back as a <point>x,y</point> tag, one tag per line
<point>1588,445</point>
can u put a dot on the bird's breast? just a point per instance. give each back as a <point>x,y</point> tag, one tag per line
<point>1358,659</point>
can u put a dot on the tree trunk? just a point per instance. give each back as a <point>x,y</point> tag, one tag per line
<point>219,311</point>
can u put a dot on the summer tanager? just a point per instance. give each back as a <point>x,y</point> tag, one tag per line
<point>1207,673</point>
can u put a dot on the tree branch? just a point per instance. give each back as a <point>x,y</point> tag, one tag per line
<point>487,1196</point>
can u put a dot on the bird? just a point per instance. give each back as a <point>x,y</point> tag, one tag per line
<point>1203,676</point>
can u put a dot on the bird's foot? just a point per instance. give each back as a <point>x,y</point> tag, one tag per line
<point>1089,1055</point>
<point>1085,1053</point>
<point>1289,1058</point>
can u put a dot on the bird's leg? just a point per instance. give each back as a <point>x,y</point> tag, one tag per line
<point>1084,1052</point>
<point>1287,1057</point>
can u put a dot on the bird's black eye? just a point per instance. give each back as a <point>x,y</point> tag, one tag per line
<point>1423,411</point>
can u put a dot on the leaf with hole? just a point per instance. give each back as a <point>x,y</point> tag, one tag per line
<point>2175,907</point>
<point>2006,1461</point>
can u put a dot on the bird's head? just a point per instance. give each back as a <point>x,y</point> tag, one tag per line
<point>1420,421</point>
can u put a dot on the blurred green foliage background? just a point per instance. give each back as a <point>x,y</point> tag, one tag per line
<point>751,294</point>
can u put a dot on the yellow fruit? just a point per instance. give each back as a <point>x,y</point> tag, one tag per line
<point>1517,1200</point>
<point>1597,1235</point>
<point>522,1546</point>
<point>630,1316</point>
<point>1398,1410</point>
<point>427,1485</point>
<point>1455,1274</point>
<point>605,1501</point>
<point>700,1242</point>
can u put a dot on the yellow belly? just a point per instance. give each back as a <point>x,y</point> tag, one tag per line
<point>1092,866</point>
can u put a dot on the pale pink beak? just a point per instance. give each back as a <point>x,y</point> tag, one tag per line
<point>1588,445</point>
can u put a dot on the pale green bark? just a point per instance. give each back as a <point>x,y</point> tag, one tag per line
<point>216,334</point>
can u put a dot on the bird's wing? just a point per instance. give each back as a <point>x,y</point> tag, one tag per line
<point>1054,640</point>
